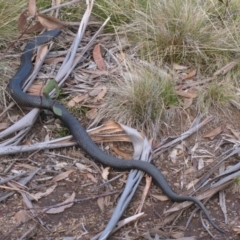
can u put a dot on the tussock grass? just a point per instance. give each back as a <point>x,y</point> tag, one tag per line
<point>9,12</point>
<point>121,12</point>
<point>215,95</point>
<point>201,34</point>
<point>186,31</point>
<point>141,100</point>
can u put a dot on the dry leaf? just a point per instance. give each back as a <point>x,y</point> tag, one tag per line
<point>186,94</point>
<point>192,183</point>
<point>54,60</point>
<point>83,167</point>
<point>234,132</point>
<point>187,102</point>
<point>178,150</point>
<point>14,118</point>
<point>32,8</point>
<point>177,235</point>
<point>109,127</point>
<point>21,216</point>
<point>95,91</point>
<point>37,27</point>
<point>60,165</point>
<point>190,75</point>
<point>179,67</point>
<point>178,207</point>
<point>48,191</point>
<point>57,2</point>
<point>105,173</point>
<point>105,133</point>
<point>145,193</point>
<point>91,114</point>
<point>62,176</point>
<point>162,198</point>
<point>62,208</point>
<point>43,51</point>
<point>50,22</point>
<point>200,163</point>
<point>209,160</point>
<point>100,203</point>
<point>22,21</point>
<point>173,155</point>
<point>226,68</point>
<point>71,103</point>
<point>103,201</point>
<point>121,153</point>
<point>77,99</point>
<point>36,89</point>
<point>25,165</point>
<point>190,170</point>
<point>90,176</point>
<point>212,134</point>
<point>121,56</point>
<point>111,138</point>
<point>188,97</point>
<point>97,56</point>
<point>97,73</point>
<point>101,94</point>
<point>236,229</point>
<point>3,126</point>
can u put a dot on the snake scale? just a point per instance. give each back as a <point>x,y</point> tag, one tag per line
<point>76,129</point>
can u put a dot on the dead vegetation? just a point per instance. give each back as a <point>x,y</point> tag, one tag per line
<point>161,67</point>
<point>140,100</point>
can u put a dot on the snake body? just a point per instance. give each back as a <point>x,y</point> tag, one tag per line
<point>76,129</point>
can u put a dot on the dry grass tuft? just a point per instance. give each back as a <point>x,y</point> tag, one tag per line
<point>201,34</point>
<point>185,31</point>
<point>121,12</point>
<point>9,12</point>
<point>141,99</point>
<point>215,95</point>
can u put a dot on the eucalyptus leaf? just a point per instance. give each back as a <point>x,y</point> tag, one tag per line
<point>51,85</point>
<point>57,111</point>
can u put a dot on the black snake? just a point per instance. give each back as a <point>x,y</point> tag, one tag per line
<point>78,132</point>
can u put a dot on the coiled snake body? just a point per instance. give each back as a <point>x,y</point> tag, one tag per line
<point>78,132</point>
